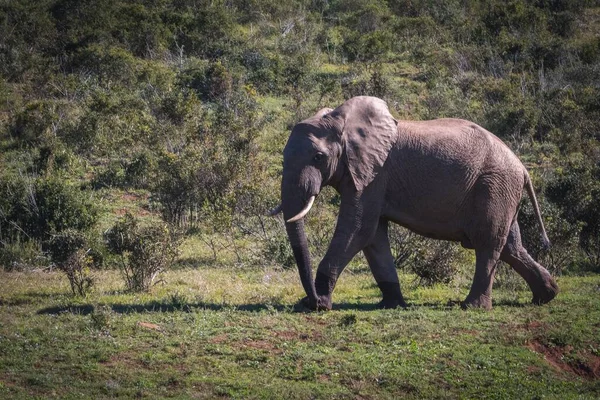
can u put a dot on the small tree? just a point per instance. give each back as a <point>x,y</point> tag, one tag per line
<point>145,251</point>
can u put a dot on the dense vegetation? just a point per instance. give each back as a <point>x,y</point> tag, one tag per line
<point>179,109</point>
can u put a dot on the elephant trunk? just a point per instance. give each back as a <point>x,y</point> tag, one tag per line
<point>297,199</point>
<point>299,243</point>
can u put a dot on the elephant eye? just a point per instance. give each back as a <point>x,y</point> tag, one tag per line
<point>318,157</point>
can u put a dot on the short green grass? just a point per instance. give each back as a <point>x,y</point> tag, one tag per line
<point>236,333</point>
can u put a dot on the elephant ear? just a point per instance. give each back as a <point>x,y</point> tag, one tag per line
<point>369,132</point>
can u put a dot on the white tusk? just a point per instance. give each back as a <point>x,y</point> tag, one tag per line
<point>275,211</point>
<point>304,211</point>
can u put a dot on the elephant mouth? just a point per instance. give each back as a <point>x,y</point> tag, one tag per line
<point>298,216</point>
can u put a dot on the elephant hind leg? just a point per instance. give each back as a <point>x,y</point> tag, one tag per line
<point>480,295</point>
<point>541,283</point>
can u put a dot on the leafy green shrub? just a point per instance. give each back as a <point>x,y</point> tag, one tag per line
<point>112,175</point>
<point>278,249</point>
<point>403,244</point>
<point>211,82</point>
<point>36,208</point>
<point>265,72</point>
<point>22,255</point>
<point>26,25</point>
<point>576,191</point>
<point>134,174</point>
<point>435,262</point>
<point>56,206</point>
<point>68,251</point>
<point>32,210</point>
<point>564,252</point>
<point>205,173</point>
<point>145,251</point>
<point>373,83</point>
<point>139,170</point>
<point>114,121</point>
<point>177,189</point>
<point>34,122</point>
<point>51,157</point>
<point>204,30</point>
<point>108,63</point>
<point>507,115</point>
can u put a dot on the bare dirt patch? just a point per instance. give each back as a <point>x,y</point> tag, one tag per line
<point>562,359</point>
<point>148,325</point>
<point>127,360</point>
<point>262,345</point>
<point>222,338</point>
<point>140,213</point>
<point>532,326</point>
<point>295,335</point>
<point>133,197</point>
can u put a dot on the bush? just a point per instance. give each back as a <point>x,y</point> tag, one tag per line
<point>435,262</point>
<point>278,249</point>
<point>204,173</point>
<point>134,174</point>
<point>56,206</point>
<point>576,191</point>
<point>31,125</point>
<point>109,63</point>
<point>22,255</point>
<point>36,208</point>
<point>68,251</point>
<point>403,244</point>
<point>32,211</point>
<point>564,252</point>
<point>145,251</point>
<point>113,175</point>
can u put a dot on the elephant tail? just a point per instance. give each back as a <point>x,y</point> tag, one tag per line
<point>536,209</point>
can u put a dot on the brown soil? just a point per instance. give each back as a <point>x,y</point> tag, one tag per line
<point>148,325</point>
<point>140,213</point>
<point>586,365</point>
<point>133,197</point>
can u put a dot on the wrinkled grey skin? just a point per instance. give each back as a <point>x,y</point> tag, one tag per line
<point>445,179</point>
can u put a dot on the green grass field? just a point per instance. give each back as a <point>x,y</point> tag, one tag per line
<point>232,333</point>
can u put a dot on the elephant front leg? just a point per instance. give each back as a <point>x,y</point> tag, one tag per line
<point>355,229</point>
<point>330,268</point>
<point>381,262</point>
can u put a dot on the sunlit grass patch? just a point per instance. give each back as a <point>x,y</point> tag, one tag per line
<point>235,332</point>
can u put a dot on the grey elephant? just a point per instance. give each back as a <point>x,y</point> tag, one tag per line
<point>446,179</point>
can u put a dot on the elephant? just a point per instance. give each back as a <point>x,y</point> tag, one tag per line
<point>447,179</point>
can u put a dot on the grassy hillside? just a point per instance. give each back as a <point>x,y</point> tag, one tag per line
<point>130,129</point>
<point>184,106</point>
<point>180,109</point>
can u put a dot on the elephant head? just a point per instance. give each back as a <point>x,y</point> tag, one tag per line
<point>344,148</point>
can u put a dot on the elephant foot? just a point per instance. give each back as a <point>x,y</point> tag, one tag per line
<point>545,292</point>
<point>392,296</point>
<point>323,303</point>
<point>483,301</point>
<point>386,305</point>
